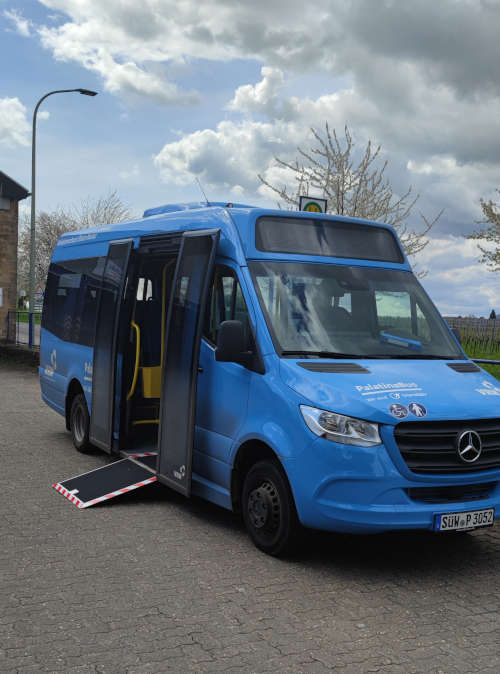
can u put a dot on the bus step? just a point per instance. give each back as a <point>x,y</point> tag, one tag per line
<point>136,453</point>
<point>102,484</point>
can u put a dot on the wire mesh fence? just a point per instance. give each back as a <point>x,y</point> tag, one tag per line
<point>480,339</point>
<point>487,331</point>
<point>18,327</point>
<point>479,336</point>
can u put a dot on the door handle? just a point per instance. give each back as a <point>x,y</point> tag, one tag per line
<point>200,369</point>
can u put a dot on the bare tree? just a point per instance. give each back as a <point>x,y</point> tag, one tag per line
<point>101,211</point>
<point>354,188</point>
<point>51,225</point>
<point>491,235</point>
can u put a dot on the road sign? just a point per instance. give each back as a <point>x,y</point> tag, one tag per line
<point>312,204</point>
<point>38,300</point>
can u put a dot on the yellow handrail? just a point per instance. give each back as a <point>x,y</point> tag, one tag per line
<point>137,352</point>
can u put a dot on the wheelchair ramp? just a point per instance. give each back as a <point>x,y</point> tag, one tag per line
<point>109,481</point>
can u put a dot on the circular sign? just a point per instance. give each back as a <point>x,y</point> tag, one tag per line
<point>313,207</point>
<point>398,411</point>
<point>417,409</point>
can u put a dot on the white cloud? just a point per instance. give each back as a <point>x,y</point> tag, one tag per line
<point>383,47</point>
<point>457,283</point>
<point>236,151</point>
<point>22,25</point>
<point>119,77</point>
<point>262,97</point>
<point>226,157</point>
<point>14,127</point>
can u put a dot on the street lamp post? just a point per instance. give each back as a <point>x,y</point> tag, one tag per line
<point>85,92</point>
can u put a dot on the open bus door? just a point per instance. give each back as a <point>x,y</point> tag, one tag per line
<point>183,328</point>
<point>184,324</point>
<point>104,365</point>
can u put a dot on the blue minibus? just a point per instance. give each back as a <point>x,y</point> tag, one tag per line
<point>285,365</point>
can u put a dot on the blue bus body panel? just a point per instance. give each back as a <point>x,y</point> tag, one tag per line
<point>60,363</point>
<point>94,240</point>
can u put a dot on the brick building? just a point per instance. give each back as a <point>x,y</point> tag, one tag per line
<point>11,193</point>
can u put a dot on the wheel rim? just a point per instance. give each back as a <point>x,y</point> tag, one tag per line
<point>264,509</point>
<point>79,425</point>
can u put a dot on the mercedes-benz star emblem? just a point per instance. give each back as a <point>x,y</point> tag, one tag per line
<point>469,446</point>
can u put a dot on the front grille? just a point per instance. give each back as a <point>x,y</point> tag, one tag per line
<point>430,446</point>
<point>458,492</point>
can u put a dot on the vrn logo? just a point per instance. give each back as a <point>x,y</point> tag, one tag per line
<point>50,369</point>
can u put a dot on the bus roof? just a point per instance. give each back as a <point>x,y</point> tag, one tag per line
<point>236,221</point>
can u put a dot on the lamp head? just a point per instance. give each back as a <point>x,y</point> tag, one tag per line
<point>87,92</point>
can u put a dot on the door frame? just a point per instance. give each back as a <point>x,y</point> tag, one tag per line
<point>107,443</point>
<point>180,479</point>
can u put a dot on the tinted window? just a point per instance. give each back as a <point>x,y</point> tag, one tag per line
<point>226,302</point>
<point>71,297</point>
<point>306,236</point>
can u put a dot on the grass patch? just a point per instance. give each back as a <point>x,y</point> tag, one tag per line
<point>477,346</point>
<point>23,317</point>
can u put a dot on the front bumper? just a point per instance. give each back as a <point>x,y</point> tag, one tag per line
<point>365,490</point>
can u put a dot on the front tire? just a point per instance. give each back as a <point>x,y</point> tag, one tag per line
<point>79,423</point>
<point>268,509</point>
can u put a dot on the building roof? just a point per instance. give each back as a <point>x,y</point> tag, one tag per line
<point>9,189</point>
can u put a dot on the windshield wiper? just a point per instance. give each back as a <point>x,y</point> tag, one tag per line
<point>358,356</point>
<point>420,356</point>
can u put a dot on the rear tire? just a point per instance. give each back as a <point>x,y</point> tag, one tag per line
<point>79,423</point>
<point>269,510</point>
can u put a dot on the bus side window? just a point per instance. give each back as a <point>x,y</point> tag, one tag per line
<point>71,297</point>
<point>226,302</point>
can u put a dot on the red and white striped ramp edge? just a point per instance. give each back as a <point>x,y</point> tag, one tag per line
<point>80,504</point>
<point>138,455</point>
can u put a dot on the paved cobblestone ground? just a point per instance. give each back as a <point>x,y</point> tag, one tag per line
<point>153,583</point>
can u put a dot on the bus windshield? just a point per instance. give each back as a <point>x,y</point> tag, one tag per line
<point>326,310</point>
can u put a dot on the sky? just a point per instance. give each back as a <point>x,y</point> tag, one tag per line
<point>215,91</point>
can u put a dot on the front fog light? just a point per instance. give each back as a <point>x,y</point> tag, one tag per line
<point>339,428</point>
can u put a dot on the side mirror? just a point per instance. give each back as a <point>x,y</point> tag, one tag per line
<point>231,344</point>
<point>456,332</point>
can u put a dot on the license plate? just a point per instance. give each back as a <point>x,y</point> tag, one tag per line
<point>473,519</point>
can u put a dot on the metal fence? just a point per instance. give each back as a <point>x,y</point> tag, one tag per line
<point>486,328</point>
<point>18,327</point>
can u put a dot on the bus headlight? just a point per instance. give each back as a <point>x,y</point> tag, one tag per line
<point>339,428</point>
